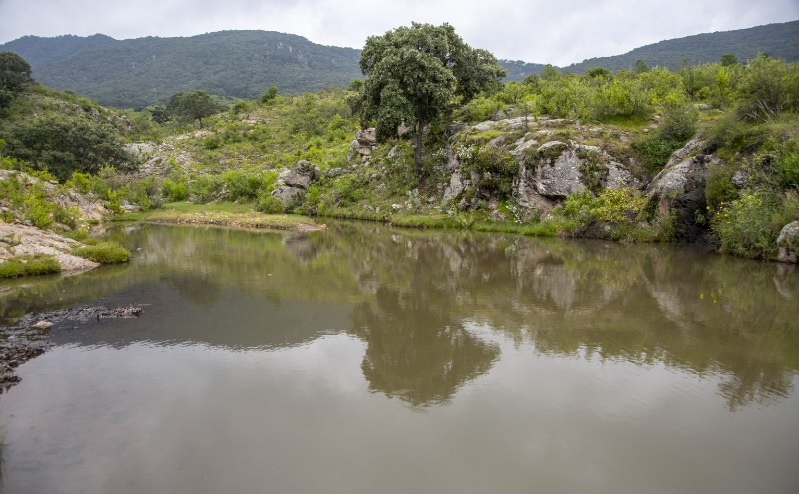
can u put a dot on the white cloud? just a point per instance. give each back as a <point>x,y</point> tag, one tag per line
<point>540,31</point>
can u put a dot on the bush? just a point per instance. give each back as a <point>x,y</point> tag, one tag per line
<point>103,252</point>
<point>27,265</point>
<point>174,191</point>
<point>270,204</point>
<point>204,188</point>
<point>242,185</point>
<point>749,226</point>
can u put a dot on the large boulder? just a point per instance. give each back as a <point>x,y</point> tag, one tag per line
<point>680,188</point>
<point>363,144</point>
<point>557,170</point>
<point>293,184</point>
<point>788,243</point>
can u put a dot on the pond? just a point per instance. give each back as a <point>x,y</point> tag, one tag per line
<point>370,359</point>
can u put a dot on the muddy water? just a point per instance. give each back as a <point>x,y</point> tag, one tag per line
<point>364,359</point>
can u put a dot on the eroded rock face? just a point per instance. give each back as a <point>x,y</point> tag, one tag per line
<point>788,243</point>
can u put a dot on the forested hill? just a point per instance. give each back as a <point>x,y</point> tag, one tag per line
<point>777,40</point>
<point>244,64</point>
<point>144,71</point>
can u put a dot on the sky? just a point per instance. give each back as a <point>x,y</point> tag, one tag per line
<point>559,32</point>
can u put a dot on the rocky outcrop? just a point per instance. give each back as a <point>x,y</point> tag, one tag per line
<point>788,243</point>
<point>363,145</point>
<point>17,240</point>
<point>293,184</point>
<point>679,189</point>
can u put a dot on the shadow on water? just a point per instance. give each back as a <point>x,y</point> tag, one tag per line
<point>413,298</point>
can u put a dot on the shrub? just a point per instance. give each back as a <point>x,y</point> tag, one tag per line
<point>270,204</point>
<point>27,265</point>
<point>204,188</point>
<point>749,226</point>
<point>174,191</point>
<point>103,252</point>
<point>242,185</point>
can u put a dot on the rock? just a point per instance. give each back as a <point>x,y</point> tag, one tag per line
<point>680,186</point>
<point>301,176</point>
<point>335,172</point>
<point>619,177</point>
<point>457,184</point>
<point>557,173</point>
<point>788,243</point>
<point>43,325</point>
<point>289,194</point>
<point>30,241</point>
<point>366,137</point>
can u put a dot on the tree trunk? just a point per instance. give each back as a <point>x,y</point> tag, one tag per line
<point>418,151</point>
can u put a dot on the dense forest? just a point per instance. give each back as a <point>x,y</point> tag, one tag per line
<point>140,72</point>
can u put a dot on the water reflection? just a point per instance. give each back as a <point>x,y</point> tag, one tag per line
<point>412,297</point>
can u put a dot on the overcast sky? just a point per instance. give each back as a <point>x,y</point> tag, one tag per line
<point>542,31</point>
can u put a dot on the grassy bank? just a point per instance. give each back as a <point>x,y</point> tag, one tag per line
<point>224,214</point>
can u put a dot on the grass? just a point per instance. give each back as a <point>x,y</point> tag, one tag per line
<point>227,214</point>
<point>103,252</point>
<point>27,265</point>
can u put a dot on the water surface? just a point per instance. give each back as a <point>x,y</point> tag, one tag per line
<point>366,359</point>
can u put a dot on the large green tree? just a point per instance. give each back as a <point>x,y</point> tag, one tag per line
<point>63,144</point>
<point>414,74</point>
<point>191,106</point>
<point>15,73</point>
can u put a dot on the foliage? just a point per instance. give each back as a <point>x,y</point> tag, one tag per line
<point>27,265</point>
<point>103,252</point>
<point>15,73</point>
<point>767,88</point>
<point>191,105</point>
<point>231,64</point>
<point>413,74</point>
<point>749,226</point>
<point>30,201</point>
<point>269,204</point>
<point>64,144</point>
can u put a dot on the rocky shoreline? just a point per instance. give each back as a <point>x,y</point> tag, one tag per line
<point>28,337</point>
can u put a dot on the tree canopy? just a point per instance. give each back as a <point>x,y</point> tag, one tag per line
<point>15,72</point>
<point>413,75</point>
<point>191,106</point>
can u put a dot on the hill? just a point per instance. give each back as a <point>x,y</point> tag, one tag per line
<point>244,64</point>
<point>144,71</point>
<point>777,40</point>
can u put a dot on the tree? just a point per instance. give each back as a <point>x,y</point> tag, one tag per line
<point>269,95</point>
<point>728,59</point>
<point>15,73</point>
<point>63,144</point>
<point>413,75</point>
<point>191,106</point>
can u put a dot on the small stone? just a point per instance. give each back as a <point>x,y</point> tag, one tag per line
<point>43,325</point>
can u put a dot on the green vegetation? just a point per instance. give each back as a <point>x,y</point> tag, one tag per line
<point>26,265</point>
<point>103,252</point>
<point>462,162</point>
<point>137,73</point>
<point>412,76</point>
<point>15,74</point>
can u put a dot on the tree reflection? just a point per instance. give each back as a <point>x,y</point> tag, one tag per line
<point>415,351</point>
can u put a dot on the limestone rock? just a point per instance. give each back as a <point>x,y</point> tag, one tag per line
<point>788,243</point>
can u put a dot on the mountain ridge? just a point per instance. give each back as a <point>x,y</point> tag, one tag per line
<point>245,63</point>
